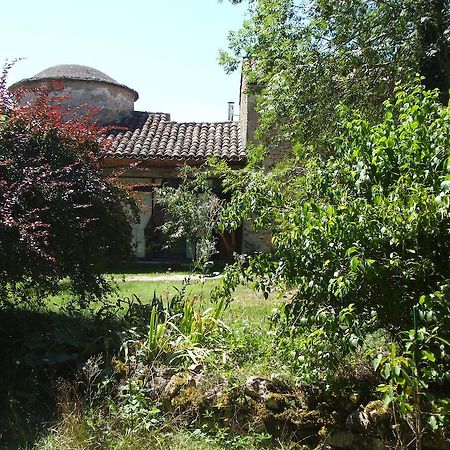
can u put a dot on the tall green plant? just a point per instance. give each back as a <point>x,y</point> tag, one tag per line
<point>155,335</point>
<point>416,369</point>
<point>358,237</point>
<point>368,225</point>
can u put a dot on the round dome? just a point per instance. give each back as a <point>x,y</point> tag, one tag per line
<point>86,87</point>
<point>73,72</point>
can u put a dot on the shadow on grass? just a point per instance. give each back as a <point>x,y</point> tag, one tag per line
<point>150,267</point>
<point>160,267</point>
<point>37,350</point>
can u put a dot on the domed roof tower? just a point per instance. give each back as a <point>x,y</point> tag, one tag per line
<point>83,85</point>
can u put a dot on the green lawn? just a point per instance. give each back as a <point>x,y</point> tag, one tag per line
<point>145,289</point>
<point>246,305</point>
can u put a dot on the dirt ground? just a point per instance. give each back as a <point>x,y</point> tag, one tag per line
<point>168,277</point>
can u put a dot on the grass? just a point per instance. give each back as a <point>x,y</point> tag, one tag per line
<point>45,400</point>
<point>246,305</point>
<point>76,437</point>
<point>30,397</point>
<point>40,348</point>
<point>145,289</point>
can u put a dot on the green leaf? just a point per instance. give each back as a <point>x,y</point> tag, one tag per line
<point>386,371</point>
<point>428,356</point>
<point>433,423</point>
<point>354,262</point>
<point>389,397</point>
<point>377,361</point>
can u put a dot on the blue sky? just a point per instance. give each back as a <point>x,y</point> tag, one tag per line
<point>165,49</point>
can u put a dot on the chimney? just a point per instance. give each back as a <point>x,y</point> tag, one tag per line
<point>230,111</point>
<point>275,151</point>
<point>248,116</point>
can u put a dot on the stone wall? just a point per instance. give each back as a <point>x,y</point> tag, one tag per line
<point>276,154</point>
<point>247,112</point>
<point>249,118</point>
<point>253,241</point>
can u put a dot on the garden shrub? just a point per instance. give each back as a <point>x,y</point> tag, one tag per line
<point>60,214</point>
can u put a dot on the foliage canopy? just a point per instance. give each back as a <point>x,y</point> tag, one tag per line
<point>360,240</point>
<point>307,56</point>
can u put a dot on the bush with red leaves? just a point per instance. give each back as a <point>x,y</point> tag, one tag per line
<point>60,215</point>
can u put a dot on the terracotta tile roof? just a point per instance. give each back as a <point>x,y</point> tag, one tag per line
<point>154,136</point>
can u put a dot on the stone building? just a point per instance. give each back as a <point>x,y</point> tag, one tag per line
<point>150,148</point>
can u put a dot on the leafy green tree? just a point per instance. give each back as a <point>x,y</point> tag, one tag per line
<point>369,225</point>
<point>308,56</point>
<point>192,211</point>
<point>60,215</point>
